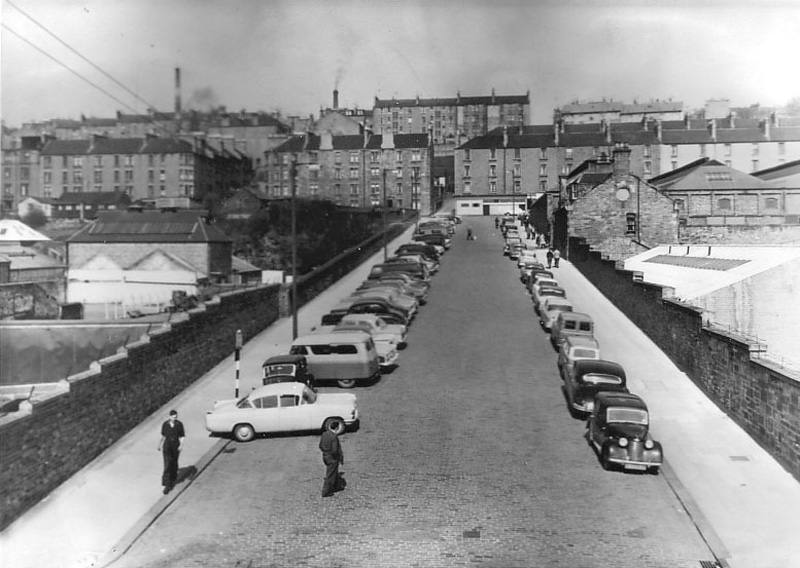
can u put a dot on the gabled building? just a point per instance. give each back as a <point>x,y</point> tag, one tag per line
<point>367,170</point>
<point>717,203</point>
<point>85,205</point>
<point>616,111</point>
<point>615,211</point>
<point>783,175</point>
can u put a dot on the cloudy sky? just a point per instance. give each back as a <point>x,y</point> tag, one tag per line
<point>288,55</point>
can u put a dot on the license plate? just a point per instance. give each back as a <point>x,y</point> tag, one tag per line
<point>636,467</point>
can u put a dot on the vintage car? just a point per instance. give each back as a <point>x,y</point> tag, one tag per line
<point>414,269</point>
<point>286,369</point>
<point>378,295</point>
<point>282,407</point>
<point>551,308</point>
<point>575,349</point>
<point>516,249</point>
<point>535,274</point>
<point>589,377</point>
<point>526,255</point>
<point>509,243</point>
<point>542,282</point>
<point>413,284</point>
<point>546,292</point>
<point>526,269</point>
<point>382,331</point>
<point>385,345</point>
<point>433,267</point>
<point>418,293</point>
<point>379,307</point>
<point>400,300</point>
<point>436,240</point>
<point>429,251</point>
<point>618,430</point>
<point>572,323</point>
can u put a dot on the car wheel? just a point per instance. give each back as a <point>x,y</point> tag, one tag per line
<point>346,383</point>
<point>605,459</point>
<point>335,425</point>
<point>243,432</point>
<point>653,470</point>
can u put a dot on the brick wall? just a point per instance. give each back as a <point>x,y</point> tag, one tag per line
<point>42,449</point>
<point>741,234</point>
<point>758,394</point>
<point>30,301</point>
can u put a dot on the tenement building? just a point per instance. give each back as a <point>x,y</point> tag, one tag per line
<point>366,170</point>
<point>449,119</point>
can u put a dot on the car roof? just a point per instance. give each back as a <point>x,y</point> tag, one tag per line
<point>578,316</point>
<point>600,366</point>
<point>629,400</point>
<point>277,389</point>
<point>544,289</point>
<point>555,300</point>
<point>581,341</point>
<point>284,359</point>
<point>338,337</point>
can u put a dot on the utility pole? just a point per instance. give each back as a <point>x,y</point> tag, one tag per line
<point>383,208</point>
<point>294,248</point>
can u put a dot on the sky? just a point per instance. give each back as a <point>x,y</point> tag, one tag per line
<point>288,56</point>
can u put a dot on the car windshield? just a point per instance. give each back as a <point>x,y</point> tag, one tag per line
<point>629,415</point>
<point>559,308</point>
<point>272,370</point>
<point>601,379</point>
<point>584,354</point>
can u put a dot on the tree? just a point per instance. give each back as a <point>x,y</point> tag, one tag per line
<point>35,218</point>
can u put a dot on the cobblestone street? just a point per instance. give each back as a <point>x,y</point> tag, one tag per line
<point>466,456</point>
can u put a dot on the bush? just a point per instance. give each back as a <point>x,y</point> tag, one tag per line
<point>35,218</point>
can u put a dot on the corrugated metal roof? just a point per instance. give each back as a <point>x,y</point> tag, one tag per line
<point>702,263</point>
<point>124,226</point>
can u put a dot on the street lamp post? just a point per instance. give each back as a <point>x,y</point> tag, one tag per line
<point>383,208</point>
<point>294,250</point>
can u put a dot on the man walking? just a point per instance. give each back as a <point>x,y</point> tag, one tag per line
<point>549,258</point>
<point>332,456</point>
<point>556,257</point>
<point>172,435</point>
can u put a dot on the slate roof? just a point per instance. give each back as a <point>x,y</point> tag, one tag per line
<point>101,145</point>
<point>148,227</point>
<point>708,175</point>
<point>780,171</point>
<point>351,142</point>
<point>91,197</point>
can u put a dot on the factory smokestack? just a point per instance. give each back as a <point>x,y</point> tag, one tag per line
<point>335,99</point>
<point>177,91</point>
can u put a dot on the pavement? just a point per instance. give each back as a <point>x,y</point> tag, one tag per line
<point>743,502</point>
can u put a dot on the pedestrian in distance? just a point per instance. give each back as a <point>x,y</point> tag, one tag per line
<point>496,222</point>
<point>332,457</point>
<point>549,258</point>
<point>172,435</point>
<point>556,257</point>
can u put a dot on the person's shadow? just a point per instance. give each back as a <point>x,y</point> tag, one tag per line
<point>186,474</point>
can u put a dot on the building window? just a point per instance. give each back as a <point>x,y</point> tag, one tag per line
<point>98,176</point>
<point>724,204</point>
<point>128,176</point>
<point>47,161</point>
<point>674,153</point>
<point>517,170</point>
<point>674,164</point>
<point>354,173</point>
<point>781,149</point>
<point>77,177</point>
<point>337,173</point>
<point>630,224</point>
<point>374,188</point>
<point>517,186</point>
<point>151,175</point>
<point>47,178</point>
<point>771,203</point>
<point>98,161</point>
<point>398,156</point>
<point>492,187</point>
<point>337,189</point>
<point>151,191</point>
<point>374,157</point>
<point>375,172</point>
<point>492,170</point>
<point>755,165</point>
<point>679,205</point>
<point>353,189</point>
<point>128,160</point>
<point>353,157</point>
<point>416,156</point>
<point>337,157</point>
<point>517,153</point>
<point>646,151</point>
<point>467,187</point>
<point>542,169</point>
<point>648,168</point>
<point>399,187</point>
<point>399,171</point>
<point>313,157</point>
<point>466,170</point>
<point>466,154</point>
<point>755,149</point>
<point>727,149</point>
<point>116,161</point>
<point>542,153</point>
<point>702,150</point>
<point>77,161</point>
<point>492,153</point>
<point>568,153</point>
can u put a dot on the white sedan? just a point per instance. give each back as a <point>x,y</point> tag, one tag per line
<point>282,407</point>
<point>550,308</point>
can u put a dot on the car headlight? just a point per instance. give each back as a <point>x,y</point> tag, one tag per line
<point>623,442</point>
<point>648,444</point>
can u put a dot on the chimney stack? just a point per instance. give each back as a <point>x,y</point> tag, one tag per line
<point>177,92</point>
<point>622,161</point>
<point>335,99</point>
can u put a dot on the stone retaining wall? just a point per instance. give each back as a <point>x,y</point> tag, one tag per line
<point>760,395</point>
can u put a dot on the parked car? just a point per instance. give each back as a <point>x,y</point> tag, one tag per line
<point>550,310</point>
<point>286,369</point>
<point>419,248</point>
<point>543,282</point>
<point>346,358</point>
<point>572,323</point>
<point>527,268</point>
<point>420,294</point>
<point>434,239</point>
<point>282,407</point>
<point>546,292</point>
<point>535,274</point>
<point>397,332</point>
<point>379,308</point>
<point>509,242</point>
<point>516,249</point>
<point>413,269</point>
<point>384,345</point>
<point>527,255</point>
<point>576,348</point>
<point>618,429</point>
<point>589,377</point>
<point>433,267</point>
<point>412,283</point>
